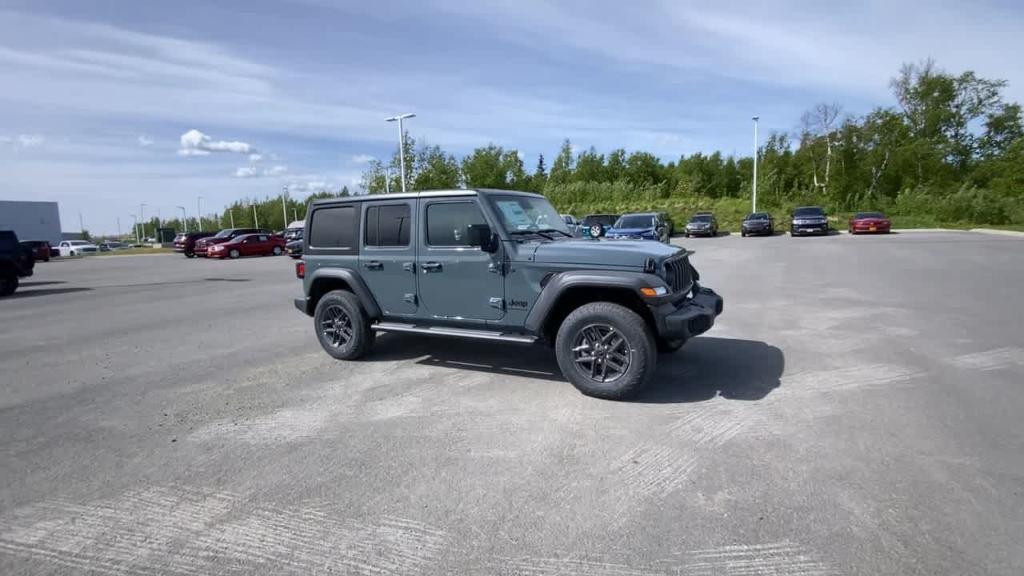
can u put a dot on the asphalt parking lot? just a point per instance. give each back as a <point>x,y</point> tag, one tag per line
<point>858,409</point>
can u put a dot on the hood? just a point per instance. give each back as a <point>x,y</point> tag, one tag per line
<point>602,253</point>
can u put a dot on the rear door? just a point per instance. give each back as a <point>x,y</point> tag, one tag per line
<point>387,258</point>
<point>457,281</point>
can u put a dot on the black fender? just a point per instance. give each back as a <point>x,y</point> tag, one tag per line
<point>351,278</point>
<point>561,282</point>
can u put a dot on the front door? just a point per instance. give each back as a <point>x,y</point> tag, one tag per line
<point>387,261</point>
<point>457,281</point>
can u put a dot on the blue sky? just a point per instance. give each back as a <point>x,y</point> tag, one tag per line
<point>106,105</point>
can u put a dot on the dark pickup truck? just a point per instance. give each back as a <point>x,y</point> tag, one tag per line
<point>16,262</point>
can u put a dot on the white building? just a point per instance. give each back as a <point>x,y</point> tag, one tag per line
<point>31,220</point>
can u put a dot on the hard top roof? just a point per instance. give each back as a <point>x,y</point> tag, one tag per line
<point>422,194</point>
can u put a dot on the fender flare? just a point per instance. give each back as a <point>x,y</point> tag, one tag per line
<point>559,283</point>
<point>354,280</point>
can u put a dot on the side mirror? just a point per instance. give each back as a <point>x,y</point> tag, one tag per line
<point>480,235</point>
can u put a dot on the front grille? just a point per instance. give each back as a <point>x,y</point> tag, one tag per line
<point>678,273</point>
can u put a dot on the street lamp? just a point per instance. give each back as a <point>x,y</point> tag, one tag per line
<point>135,226</point>
<point>284,208</point>
<point>142,219</point>
<point>756,118</point>
<point>401,142</point>
<point>184,218</point>
<point>199,212</point>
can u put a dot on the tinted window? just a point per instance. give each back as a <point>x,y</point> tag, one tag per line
<point>869,215</point>
<point>388,225</point>
<point>701,218</point>
<point>447,222</point>
<point>636,221</point>
<point>333,227</point>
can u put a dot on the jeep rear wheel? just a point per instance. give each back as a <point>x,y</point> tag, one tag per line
<point>606,350</point>
<point>342,326</point>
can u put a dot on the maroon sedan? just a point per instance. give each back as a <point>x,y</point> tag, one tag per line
<point>203,244</point>
<point>248,245</point>
<point>869,222</point>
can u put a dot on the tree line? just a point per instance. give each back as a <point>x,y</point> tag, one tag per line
<point>951,150</point>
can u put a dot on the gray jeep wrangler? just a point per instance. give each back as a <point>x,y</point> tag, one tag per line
<point>498,265</point>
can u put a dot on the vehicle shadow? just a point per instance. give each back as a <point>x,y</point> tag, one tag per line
<point>41,283</point>
<point>704,369</point>
<point>708,367</point>
<point>44,292</point>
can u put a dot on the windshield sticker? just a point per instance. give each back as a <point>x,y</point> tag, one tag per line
<point>514,214</point>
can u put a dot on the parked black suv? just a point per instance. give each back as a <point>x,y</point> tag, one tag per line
<point>498,265</point>
<point>758,223</point>
<point>16,262</point>
<point>808,220</point>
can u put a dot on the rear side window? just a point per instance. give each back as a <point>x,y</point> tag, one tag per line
<point>447,222</point>
<point>387,225</point>
<point>333,227</point>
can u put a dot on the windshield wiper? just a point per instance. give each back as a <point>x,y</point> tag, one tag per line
<point>540,233</point>
<point>562,232</point>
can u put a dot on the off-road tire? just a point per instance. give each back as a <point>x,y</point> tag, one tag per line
<point>669,346</point>
<point>8,283</point>
<point>626,324</point>
<point>360,337</point>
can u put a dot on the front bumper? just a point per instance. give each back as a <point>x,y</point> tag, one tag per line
<point>798,229</point>
<point>690,317</point>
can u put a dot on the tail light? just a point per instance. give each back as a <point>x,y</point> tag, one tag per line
<point>300,269</point>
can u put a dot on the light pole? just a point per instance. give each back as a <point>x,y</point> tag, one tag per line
<point>199,212</point>
<point>184,218</point>
<point>135,226</point>
<point>118,228</point>
<point>284,208</point>
<point>756,118</point>
<point>255,216</point>
<point>231,212</point>
<point>387,180</point>
<point>142,219</point>
<point>401,142</point>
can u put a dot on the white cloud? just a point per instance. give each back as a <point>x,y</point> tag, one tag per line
<point>255,171</point>
<point>363,158</point>
<point>145,141</point>
<point>195,143</point>
<point>255,157</point>
<point>22,141</point>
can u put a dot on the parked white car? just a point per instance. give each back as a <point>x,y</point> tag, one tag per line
<point>77,248</point>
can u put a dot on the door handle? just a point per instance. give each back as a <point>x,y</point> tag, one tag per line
<point>431,267</point>
<point>374,265</point>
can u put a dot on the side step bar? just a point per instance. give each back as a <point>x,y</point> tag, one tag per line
<point>457,332</point>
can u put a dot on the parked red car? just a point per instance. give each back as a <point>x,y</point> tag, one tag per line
<point>40,249</point>
<point>248,245</point>
<point>225,235</point>
<point>869,222</point>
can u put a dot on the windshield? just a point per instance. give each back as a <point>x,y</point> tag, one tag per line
<point>226,233</point>
<point>602,219</point>
<point>78,243</point>
<point>527,214</point>
<point>860,215</point>
<point>811,211</point>
<point>701,218</point>
<point>758,216</point>
<point>636,221</point>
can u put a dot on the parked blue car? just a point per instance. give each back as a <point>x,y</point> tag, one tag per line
<point>642,226</point>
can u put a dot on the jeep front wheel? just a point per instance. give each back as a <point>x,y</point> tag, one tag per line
<point>8,283</point>
<point>606,350</point>
<point>342,326</point>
